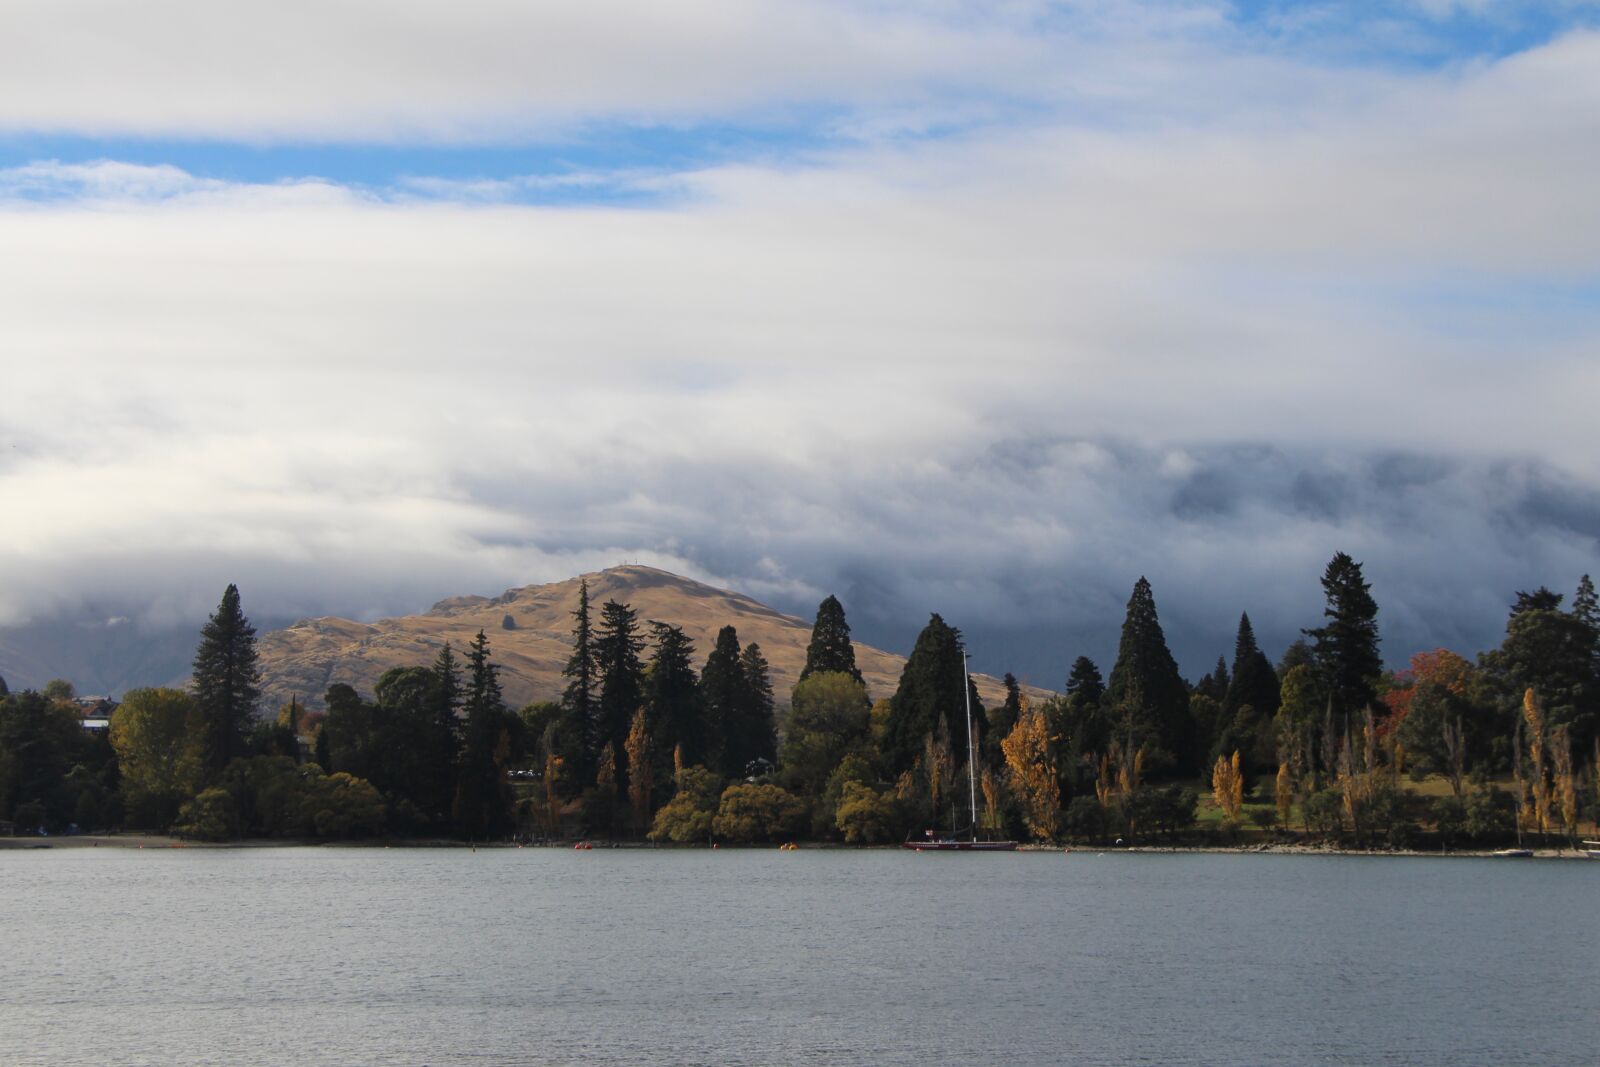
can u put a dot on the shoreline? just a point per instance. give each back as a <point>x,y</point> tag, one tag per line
<point>164,841</point>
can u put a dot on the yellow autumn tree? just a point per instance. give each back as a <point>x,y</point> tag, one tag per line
<point>1031,760</point>
<point>1566,782</point>
<point>640,776</point>
<point>1227,785</point>
<point>1538,781</point>
<point>1283,792</point>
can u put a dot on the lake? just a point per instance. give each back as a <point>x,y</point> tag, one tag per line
<point>370,956</point>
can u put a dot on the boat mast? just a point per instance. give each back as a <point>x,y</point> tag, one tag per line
<point>972,760</point>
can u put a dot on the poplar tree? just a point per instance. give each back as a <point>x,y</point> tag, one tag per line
<point>830,648</point>
<point>1147,694</point>
<point>227,683</point>
<point>1346,646</point>
<point>621,678</point>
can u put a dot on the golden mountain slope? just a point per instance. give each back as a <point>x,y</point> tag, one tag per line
<point>308,656</point>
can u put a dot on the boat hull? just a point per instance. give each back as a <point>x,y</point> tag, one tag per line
<point>960,846</point>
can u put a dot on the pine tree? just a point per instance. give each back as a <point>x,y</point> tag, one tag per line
<point>1255,683</point>
<point>1150,696</point>
<point>830,648</point>
<point>227,683</point>
<point>483,801</point>
<point>1003,718</point>
<point>1084,682</point>
<point>929,699</point>
<point>672,695</point>
<point>616,659</point>
<point>1084,708</point>
<point>447,695</point>
<point>726,696</point>
<point>1346,647</point>
<point>1585,605</point>
<point>1215,684</point>
<point>580,721</point>
<point>755,734</point>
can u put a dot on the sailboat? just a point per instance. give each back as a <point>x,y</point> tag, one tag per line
<point>950,840</point>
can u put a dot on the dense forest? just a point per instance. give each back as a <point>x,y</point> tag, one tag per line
<point>1323,745</point>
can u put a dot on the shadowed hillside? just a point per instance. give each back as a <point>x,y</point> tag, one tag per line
<point>306,657</point>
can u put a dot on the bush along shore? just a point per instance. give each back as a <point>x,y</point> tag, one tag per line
<point>651,744</point>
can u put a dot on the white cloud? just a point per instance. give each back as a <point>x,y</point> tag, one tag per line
<point>1022,353</point>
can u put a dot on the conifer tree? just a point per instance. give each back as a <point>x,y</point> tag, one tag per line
<point>1146,686</point>
<point>755,733</point>
<point>672,695</point>
<point>726,696</point>
<point>1585,605</point>
<point>1346,647</point>
<point>830,648</point>
<point>1084,707</point>
<point>1255,684</point>
<point>227,683</point>
<point>1084,682</point>
<point>616,659</point>
<point>447,695</point>
<point>483,802</point>
<point>580,720</point>
<point>1003,718</point>
<point>1215,684</point>
<point>929,699</point>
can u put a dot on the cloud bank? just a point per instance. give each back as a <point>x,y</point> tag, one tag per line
<point>1154,299</point>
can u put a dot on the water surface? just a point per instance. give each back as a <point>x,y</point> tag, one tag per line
<point>525,956</point>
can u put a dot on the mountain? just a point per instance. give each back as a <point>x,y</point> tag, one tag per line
<point>529,631</point>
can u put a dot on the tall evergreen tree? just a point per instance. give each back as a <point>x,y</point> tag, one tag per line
<point>227,683</point>
<point>1084,682</point>
<point>1255,683</point>
<point>483,801</point>
<point>580,721</point>
<point>1541,599</point>
<point>1585,608</point>
<point>1003,718</point>
<point>931,694</point>
<point>446,696</point>
<point>1552,652</point>
<point>830,648</point>
<point>1346,646</point>
<point>725,693</point>
<point>616,659</point>
<point>1150,697</point>
<point>1214,685</point>
<point>753,734</point>
<point>672,698</point>
<point>1084,708</point>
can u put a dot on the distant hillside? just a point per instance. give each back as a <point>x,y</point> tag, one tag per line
<point>303,659</point>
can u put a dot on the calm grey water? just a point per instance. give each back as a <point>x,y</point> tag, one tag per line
<point>446,957</point>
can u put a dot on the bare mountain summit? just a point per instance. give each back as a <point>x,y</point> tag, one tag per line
<point>530,638</point>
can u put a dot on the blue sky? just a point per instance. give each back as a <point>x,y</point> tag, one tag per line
<point>984,309</point>
<point>1399,38</point>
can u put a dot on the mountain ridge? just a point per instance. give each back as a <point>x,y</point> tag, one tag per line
<point>529,632</point>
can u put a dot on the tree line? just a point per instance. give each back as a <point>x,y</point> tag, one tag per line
<point>643,744</point>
